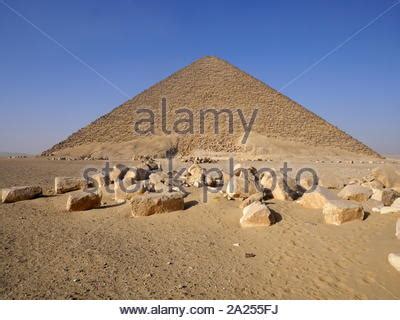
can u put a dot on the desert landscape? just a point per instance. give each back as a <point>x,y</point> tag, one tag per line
<point>143,228</point>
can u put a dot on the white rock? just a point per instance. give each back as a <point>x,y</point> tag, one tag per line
<point>377,194</point>
<point>388,210</point>
<point>317,199</point>
<point>15,194</point>
<point>396,203</point>
<point>394,260</point>
<point>340,211</point>
<point>398,229</point>
<point>355,193</point>
<point>256,215</point>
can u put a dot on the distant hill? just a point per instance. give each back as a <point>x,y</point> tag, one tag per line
<point>208,83</point>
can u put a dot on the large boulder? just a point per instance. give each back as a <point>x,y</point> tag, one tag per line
<point>394,260</point>
<point>317,199</point>
<point>83,200</point>
<point>257,215</point>
<point>340,211</point>
<point>155,203</point>
<point>355,192</point>
<point>67,184</point>
<point>388,176</point>
<point>282,188</point>
<point>15,194</point>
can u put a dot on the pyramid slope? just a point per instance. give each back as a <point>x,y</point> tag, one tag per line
<point>213,83</point>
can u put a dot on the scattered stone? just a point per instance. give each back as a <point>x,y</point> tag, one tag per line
<point>101,180</point>
<point>389,196</point>
<point>355,193</point>
<point>253,198</point>
<point>398,229</point>
<point>130,178</point>
<point>241,187</point>
<point>396,203</point>
<point>340,211</point>
<point>249,255</point>
<point>156,203</point>
<point>388,176</point>
<point>15,194</point>
<point>256,215</point>
<point>67,184</point>
<point>124,192</point>
<point>331,182</point>
<point>83,200</point>
<point>118,172</point>
<point>388,210</point>
<point>394,260</point>
<point>284,189</point>
<point>317,199</point>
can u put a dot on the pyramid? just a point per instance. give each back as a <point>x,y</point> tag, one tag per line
<point>211,82</point>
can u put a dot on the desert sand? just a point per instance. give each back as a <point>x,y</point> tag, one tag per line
<point>196,253</point>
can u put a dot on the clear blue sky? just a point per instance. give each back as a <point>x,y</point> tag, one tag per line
<point>46,94</point>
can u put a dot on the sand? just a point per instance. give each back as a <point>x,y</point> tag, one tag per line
<point>48,253</point>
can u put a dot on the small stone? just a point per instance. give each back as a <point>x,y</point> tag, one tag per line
<point>236,244</point>
<point>398,229</point>
<point>389,210</point>
<point>394,260</point>
<point>249,255</point>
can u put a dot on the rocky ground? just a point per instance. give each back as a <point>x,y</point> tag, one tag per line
<point>197,253</point>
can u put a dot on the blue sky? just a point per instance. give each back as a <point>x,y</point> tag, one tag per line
<point>46,94</point>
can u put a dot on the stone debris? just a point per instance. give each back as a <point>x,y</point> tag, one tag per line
<point>388,210</point>
<point>394,260</point>
<point>118,172</point>
<point>398,229</point>
<point>355,193</point>
<point>67,184</point>
<point>340,211</point>
<point>155,203</point>
<point>284,189</point>
<point>389,196</point>
<point>83,200</point>
<point>388,176</point>
<point>256,215</point>
<point>317,199</point>
<point>240,187</point>
<point>15,194</point>
<point>124,192</point>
